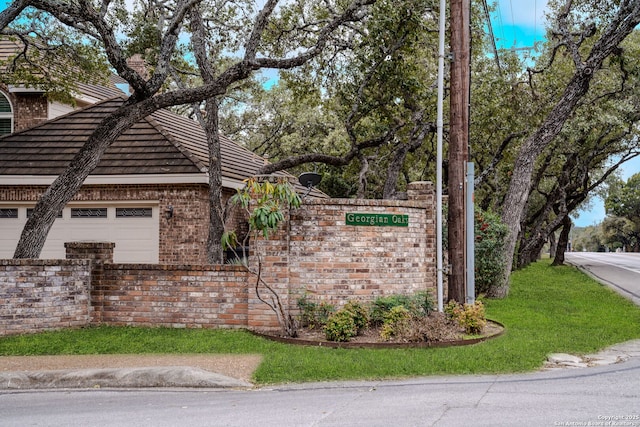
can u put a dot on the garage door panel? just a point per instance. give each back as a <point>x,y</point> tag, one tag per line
<point>136,238</point>
<point>10,229</point>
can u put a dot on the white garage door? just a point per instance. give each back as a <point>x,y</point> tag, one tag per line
<point>133,228</point>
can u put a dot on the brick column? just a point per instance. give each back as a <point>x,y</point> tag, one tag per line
<point>424,192</point>
<point>421,191</point>
<point>99,253</point>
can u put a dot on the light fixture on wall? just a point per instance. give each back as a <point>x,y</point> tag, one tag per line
<point>169,212</point>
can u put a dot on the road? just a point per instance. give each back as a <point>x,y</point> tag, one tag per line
<point>620,271</point>
<point>605,395</point>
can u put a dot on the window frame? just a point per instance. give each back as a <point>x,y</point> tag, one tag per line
<point>7,114</point>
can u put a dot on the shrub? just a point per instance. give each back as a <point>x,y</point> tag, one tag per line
<point>438,328</point>
<point>490,234</point>
<point>396,320</point>
<point>359,314</point>
<point>434,328</point>
<point>419,304</point>
<point>324,311</point>
<point>470,317</point>
<point>424,303</point>
<point>307,311</point>
<point>340,326</point>
<point>312,314</point>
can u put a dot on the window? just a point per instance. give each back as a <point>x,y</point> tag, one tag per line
<point>8,213</point>
<point>133,213</point>
<point>88,212</point>
<point>6,115</point>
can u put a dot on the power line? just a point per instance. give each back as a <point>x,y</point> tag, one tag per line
<point>491,36</point>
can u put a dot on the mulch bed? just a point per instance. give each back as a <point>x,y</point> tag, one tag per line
<point>370,338</point>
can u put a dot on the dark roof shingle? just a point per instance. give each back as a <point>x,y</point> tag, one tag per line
<point>163,143</point>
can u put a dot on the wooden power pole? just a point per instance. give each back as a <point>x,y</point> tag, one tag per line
<point>458,144</point>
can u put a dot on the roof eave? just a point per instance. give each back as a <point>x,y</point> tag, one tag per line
<point>15,180</point>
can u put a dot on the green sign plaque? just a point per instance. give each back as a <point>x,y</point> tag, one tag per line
<point>380,220</point>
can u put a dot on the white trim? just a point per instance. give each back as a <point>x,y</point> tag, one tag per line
<point>84,203</point>
<point>122,180</point>
<point>236,185</point>
<point>23,89</point>
<point>82,97</point>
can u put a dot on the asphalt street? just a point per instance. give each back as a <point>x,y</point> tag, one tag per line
<point>607,395</point>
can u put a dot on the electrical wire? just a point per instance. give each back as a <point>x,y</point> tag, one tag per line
<point>491,36</point>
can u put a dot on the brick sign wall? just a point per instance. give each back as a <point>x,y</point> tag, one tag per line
<point>337,249</point>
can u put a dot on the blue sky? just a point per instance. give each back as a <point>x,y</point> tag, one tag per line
<point>520,23</point>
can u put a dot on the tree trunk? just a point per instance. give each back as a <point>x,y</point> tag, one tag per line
<point>553,244</point>
<point>210,124</point>
<point>393,172</point>
<point>563,241</point>
<point>622,24</point>
<point>531,253</point>
<point>216,211</point>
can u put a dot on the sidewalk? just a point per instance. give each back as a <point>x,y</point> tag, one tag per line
<point>239,366</point>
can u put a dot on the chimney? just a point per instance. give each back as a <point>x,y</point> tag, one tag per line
<point>138,64</point>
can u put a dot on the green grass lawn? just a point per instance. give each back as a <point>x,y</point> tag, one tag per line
<point>549,310</point>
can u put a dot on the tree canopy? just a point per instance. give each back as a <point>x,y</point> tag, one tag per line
<point>355,96</point>
<point>230,40</point>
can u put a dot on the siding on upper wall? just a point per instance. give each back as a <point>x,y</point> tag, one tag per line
<point>57,109</point>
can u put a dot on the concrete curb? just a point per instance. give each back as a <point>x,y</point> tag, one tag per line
<point>615,354</point>
<point>172,376</point>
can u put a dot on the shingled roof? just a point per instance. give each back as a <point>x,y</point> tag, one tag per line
<point>87,92</point>
<point>162,143</point>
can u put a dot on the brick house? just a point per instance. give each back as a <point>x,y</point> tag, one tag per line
<point>149,193</point>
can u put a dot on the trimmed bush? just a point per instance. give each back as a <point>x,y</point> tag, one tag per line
<point>471,317</point>
<point>359,313</point>
<point>418,304</point>
<point>341,326</point>
<point>396,320</point>
<point>312,314</point>
<point>434,328</point>
<point>490,234</point>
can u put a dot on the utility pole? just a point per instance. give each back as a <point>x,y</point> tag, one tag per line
<point>458,144</point>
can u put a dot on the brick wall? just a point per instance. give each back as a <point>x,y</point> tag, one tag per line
<point>317,252</point>
<point>97,253</point>
<point>28,110</point>
<point>172,295</point>
<point>38,295</point>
